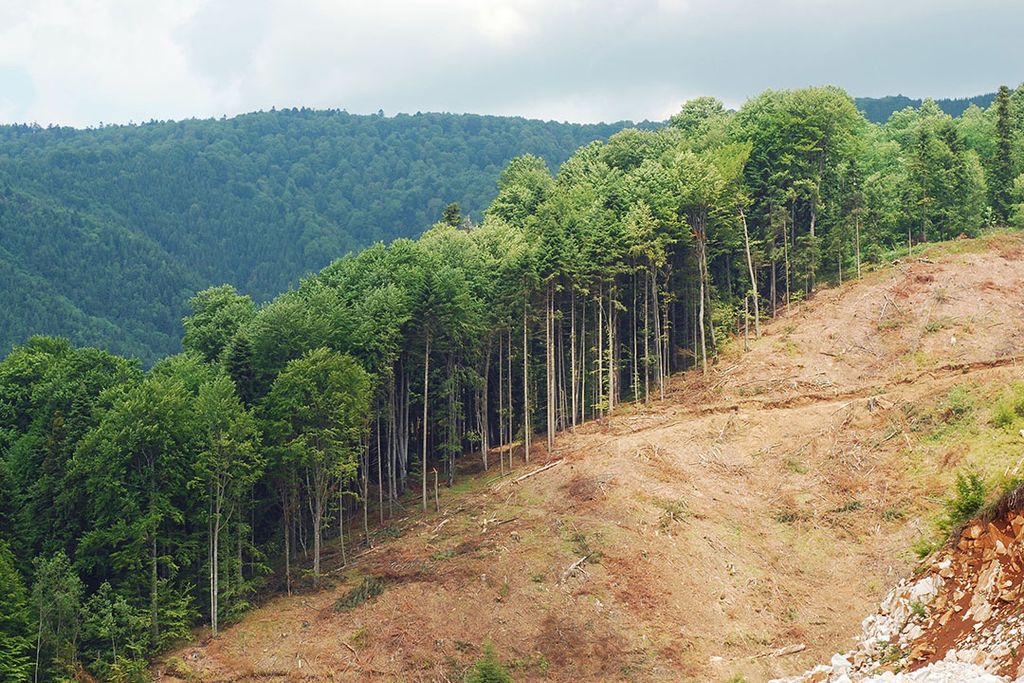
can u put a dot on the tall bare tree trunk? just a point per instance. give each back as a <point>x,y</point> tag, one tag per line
<point>484,423</point>
<point>380,474</point>
<point>318,512</point>
<point>583,361</point>
<point>426,391</point>
<point>856,227</point>
<point>287,520</point>
<point>526,389</point>
<point>366,493</point>
<point>549,325</point>
<point>600,351</point>
<point>753,278</point>
<point>501,402</point>
<point>636,367</point>
<point>814,264</point>
<point>574,382</point>
<point>647,336</point>
<point>511,411</point>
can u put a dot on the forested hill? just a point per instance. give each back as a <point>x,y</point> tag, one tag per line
<point>105,233</point>
<point>879,109</point>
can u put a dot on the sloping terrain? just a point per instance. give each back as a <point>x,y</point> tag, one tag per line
<point>959,619</point>
<point>743,526</point>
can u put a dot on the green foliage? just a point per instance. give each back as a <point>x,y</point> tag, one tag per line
<point>966,501</point>
<point>1002,169</point>
<point>57,603</point>
<point>488,669</point>
<point>369,588</point>
<point>15,640</point>
<point>107,232</point>
<point>217,315</point>
<point>879,109</point>
<point>115,636</point>
<point>1009,408</point>
<point>923,547</point>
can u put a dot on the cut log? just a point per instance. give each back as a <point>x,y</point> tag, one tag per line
<point>528,474</point>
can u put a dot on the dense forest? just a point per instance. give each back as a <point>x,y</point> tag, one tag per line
<point>135,505</point>
<point>879,109</point>
<point>105,233</point>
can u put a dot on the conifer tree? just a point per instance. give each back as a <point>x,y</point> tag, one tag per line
<point>1001,182</point>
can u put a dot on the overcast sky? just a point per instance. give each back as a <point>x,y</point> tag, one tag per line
<point>80,62</point>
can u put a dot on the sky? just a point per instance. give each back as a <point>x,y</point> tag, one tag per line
<point>83,62</point>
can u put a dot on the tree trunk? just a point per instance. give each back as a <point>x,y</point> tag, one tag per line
<point>366,493</point>
<point>573,373</point>
<point>501,402</point>
<point>485,441</point>
<point>636,367</point>
<point>647,335</point>
<point>526,390</point>
<point>785,252</point>
<point>426,390</point>
<point>856,227</point>
<point>318,507</point>
<point>511,412</point>
<point>583,361</point>
<point>154,604</point>
<point>287,544</point>
<point>549,317</point>
<point>814,258</point>
<point>600,351</point>
<point>215,568</point>
<point>380,475</point>
<point>753,278</point>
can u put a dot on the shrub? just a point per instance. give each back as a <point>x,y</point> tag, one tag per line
<point>965,504</point>
<point>369,588</point>
<point>1009,407</point>
<point>958,403</point>
<point>488,669</point>
<point>923,547</point>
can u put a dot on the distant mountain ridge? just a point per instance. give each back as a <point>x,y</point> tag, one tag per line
<point>105,233</point>
<point>879,109</point>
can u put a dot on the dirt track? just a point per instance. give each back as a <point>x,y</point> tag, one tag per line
<point>765,506</point>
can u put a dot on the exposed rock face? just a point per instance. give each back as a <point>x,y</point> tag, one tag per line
<point>961,620</point>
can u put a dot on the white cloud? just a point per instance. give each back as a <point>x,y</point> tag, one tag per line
<point>86,61</point>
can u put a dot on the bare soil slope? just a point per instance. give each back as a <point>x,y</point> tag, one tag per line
<point>742,526</point>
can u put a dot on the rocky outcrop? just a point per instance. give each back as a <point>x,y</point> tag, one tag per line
<point>960,619</point>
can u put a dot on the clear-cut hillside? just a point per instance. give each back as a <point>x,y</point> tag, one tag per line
<point>743,526</point>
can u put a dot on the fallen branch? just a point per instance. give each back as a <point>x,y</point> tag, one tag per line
<point>782,651</point>
<point>529,474</point>
<point>573,567</point>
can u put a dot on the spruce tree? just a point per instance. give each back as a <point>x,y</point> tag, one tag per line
<point>1002,171</point>
<point>15,643</point>
<point>488,669</point>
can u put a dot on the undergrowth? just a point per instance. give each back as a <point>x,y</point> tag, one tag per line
<point>369,588</point>
<point>488,669</point>
<point>1009,409</point>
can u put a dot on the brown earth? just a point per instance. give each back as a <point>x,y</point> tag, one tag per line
<point>768,505</point>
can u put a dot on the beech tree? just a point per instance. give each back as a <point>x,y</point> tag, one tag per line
<point>226,466</point>
<point>320,408</point>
